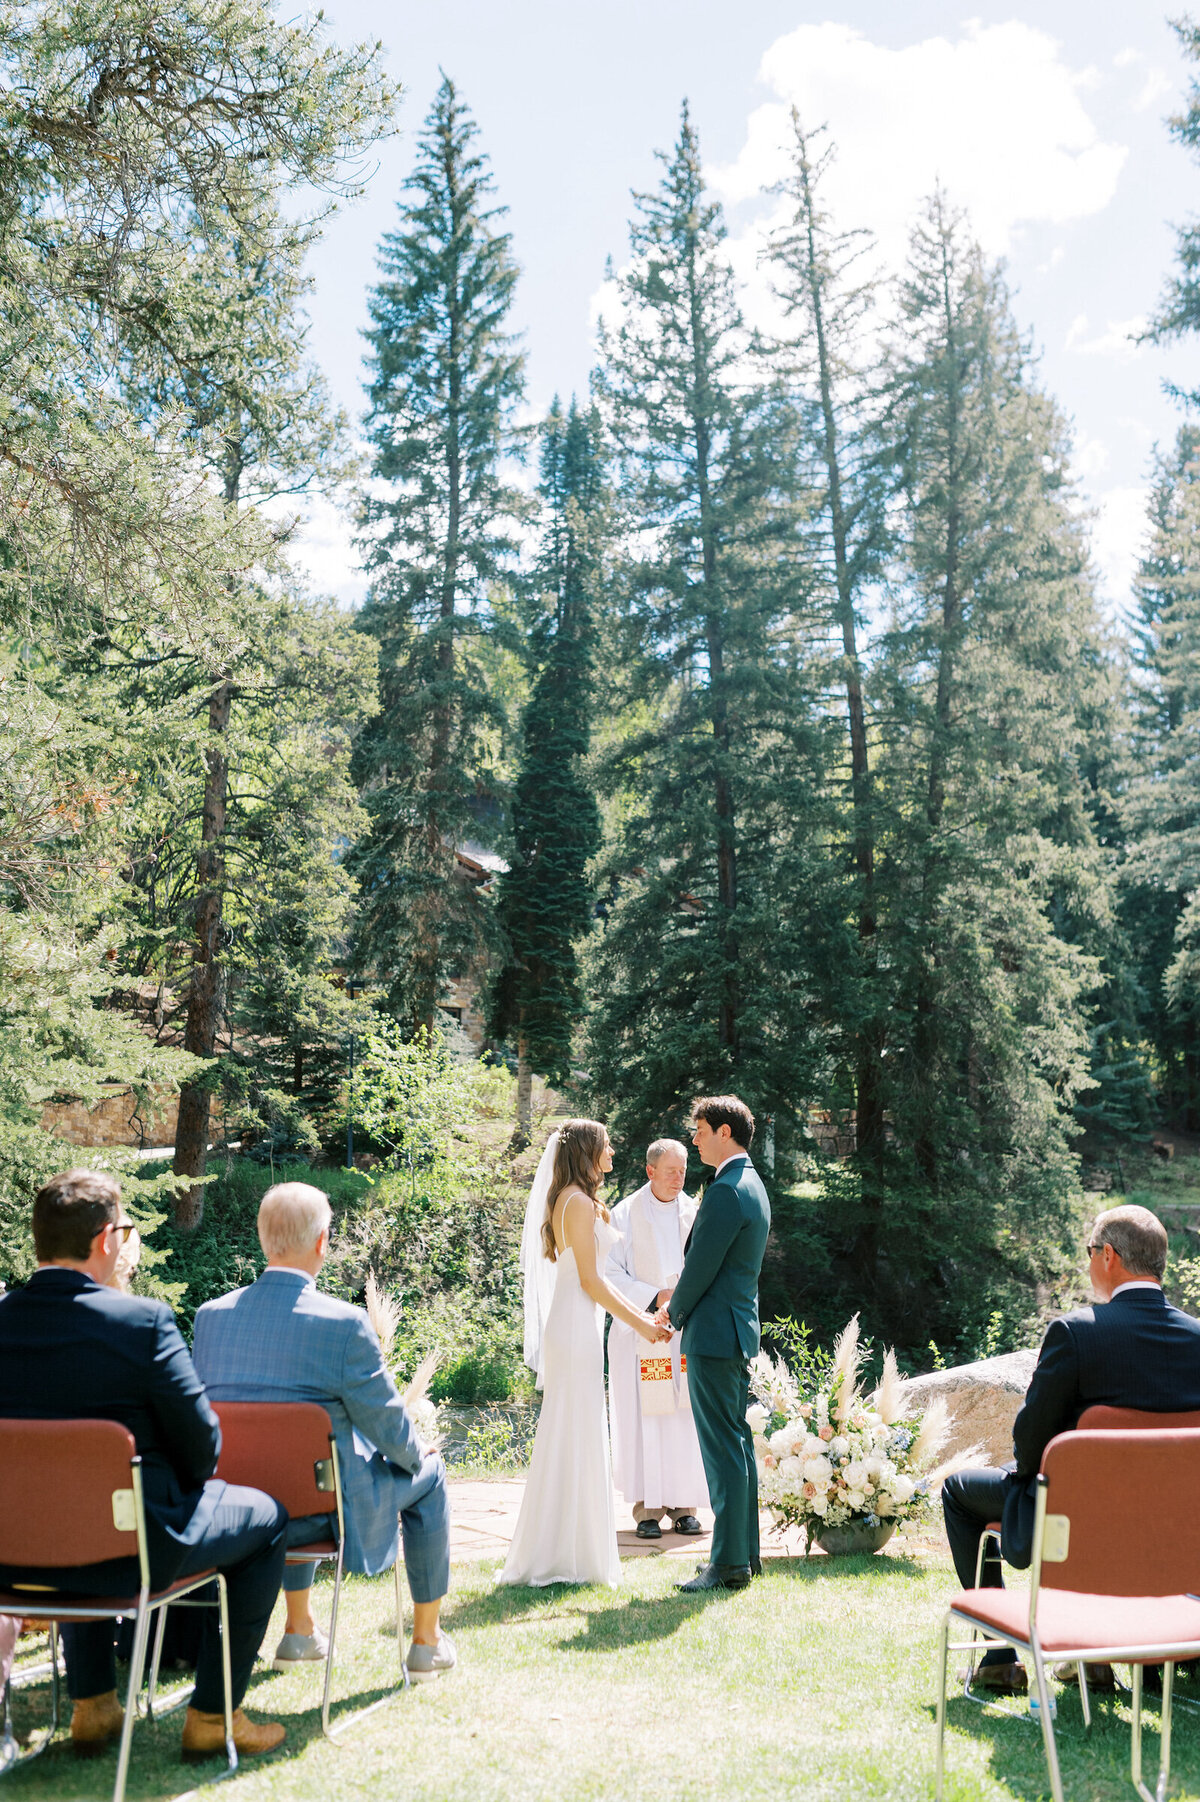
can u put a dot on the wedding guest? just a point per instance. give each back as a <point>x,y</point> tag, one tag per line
<point>281,1340</point>
<point>656,1455</point>
<point>72,1347</point>
<point>1133,1351</point>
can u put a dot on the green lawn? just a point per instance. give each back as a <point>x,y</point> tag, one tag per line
<point>818,1682</point>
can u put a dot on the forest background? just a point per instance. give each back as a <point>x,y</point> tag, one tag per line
<point>748,722</point>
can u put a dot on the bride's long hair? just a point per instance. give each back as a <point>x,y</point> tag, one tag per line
<point>576,1166</point>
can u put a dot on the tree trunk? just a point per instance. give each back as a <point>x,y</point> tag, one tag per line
<point>205,1004</point>
<point>524,1130</point>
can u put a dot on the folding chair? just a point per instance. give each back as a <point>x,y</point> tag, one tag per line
<point>70,1495</point>
<point>288,1450</point>
<point>1116,1545</point>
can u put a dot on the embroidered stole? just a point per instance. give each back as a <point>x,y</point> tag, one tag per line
<point>659,1391</point>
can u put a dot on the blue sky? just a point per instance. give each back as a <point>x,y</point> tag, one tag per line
<point>1046,122</point>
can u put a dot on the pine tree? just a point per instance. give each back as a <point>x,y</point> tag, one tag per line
<point>716,945</point>
<point>830,305</point>
<point>545,900</point>
<point>446,380</point>
<point>1162,873</point>
<point>984,818</point>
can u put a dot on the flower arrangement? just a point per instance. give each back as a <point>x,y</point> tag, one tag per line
<point>383,1311</point>
<point>835,1456</point>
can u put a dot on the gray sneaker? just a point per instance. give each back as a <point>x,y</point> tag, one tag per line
<point>425,1663</point>
<point>300,1648</point>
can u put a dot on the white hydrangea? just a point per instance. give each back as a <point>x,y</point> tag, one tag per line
<point>780,1441</point>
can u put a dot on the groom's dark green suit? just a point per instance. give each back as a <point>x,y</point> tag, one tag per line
<point>716,1304</point>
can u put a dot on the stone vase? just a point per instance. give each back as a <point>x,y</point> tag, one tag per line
<point>855,1536</point>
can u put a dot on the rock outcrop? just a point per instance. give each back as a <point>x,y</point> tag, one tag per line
<point>983,1399</point>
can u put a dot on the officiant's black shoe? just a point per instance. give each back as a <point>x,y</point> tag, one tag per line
<point>756,1567</point>
<point>649,1529</point>
<point>717,1576</point>
<point>689,1526</point>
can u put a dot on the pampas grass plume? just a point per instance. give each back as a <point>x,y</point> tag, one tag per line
<point>887,1398</point>
<point>383,1311</point>
<point>846,1360</point>
<point>935,1430</point>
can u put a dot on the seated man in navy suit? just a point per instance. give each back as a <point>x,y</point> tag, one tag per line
<point>1136,1351</point>
<point>73,1349</point>
<point>281,1340</point>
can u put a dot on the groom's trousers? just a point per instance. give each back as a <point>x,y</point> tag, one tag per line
<point>720,1390</point>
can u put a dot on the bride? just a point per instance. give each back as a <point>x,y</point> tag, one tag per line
<point>567,1529</point>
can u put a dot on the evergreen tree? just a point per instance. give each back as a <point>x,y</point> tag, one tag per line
<point>446,380</point>
<point>985,823</point>
<point>1162,873</point>
<point>712,967</point>
<point>545,899</point>
<point>830,304</point>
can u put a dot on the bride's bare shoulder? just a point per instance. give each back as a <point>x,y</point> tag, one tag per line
<point>565,1197</point>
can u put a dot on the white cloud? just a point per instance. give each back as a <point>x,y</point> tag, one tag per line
<point>996,116</point>
<point>1118,339</point>
<point>323,548</point>
<point>1118,539</point>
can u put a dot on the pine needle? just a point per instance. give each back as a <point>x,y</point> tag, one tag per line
<point>887,1400</point>
<point>383,1311</point>
<point>422,1376</point>
<point>846,1361</point>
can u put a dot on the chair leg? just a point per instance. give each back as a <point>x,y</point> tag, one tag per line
<point>941,1710</point>
<point>333,1615</point>
<point>9,1750</point>
<point>1164,1743</point>
<point>400,1619</point>
<point>1085,1701</point>
<point>226,1678</point>
<point>137,1663</point>
<point>160,1628</point>
<point>1039,1671</point>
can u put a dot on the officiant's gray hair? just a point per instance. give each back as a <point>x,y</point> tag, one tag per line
<point>660,1148</point>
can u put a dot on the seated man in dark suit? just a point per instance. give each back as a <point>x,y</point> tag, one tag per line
<point>1135,1352</point>
<point>73,1349</point>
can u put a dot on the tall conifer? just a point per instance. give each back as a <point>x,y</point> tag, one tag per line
<point>714,946</point>
<point>446,379</point>
<point>545,899</point>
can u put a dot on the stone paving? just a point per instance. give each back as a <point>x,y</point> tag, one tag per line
<point>484,1516</point>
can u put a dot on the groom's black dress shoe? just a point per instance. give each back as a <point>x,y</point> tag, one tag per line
<point>717,1576</point>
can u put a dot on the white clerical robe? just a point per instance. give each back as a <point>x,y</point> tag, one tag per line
<point>656,1458</point>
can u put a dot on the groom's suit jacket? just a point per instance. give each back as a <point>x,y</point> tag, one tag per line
<point>1136,1351</point>
<point>716,1298</point>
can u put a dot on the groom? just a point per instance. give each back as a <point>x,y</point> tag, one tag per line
<point>715,1302</point>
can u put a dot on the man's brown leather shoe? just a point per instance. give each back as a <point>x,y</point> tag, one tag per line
<point>1099,1676</point>
<point>1002,1679</point>
<point>95,1720</point>
<point>204,1735</point>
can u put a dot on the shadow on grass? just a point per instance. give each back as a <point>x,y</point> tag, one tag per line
<point>1094,1764</point>
<point>813,1570</point>
<point>638,1622</point>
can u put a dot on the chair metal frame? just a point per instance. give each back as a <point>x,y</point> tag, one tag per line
<point>128,1516</point>
<point>328,1480</point>
<point>1166,1653</point>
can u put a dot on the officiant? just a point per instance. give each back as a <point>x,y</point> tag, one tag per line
<point>655,1452</point>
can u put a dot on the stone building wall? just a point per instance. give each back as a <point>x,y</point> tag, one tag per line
<point>113,1120</point>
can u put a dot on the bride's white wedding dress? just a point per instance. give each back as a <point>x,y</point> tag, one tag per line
<point>567,1527</point>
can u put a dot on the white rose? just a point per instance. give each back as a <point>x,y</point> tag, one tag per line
<point>855,1473</point>
<point>790,1471</point>
<point>856,1501</point>
<point>839,1445</point>
<point>757,1417</point>
<point>819,1504</point>
<point>818,1471</point>
<point>813,1447</point>
<point>902,1488</point>
<point>874,1467</point>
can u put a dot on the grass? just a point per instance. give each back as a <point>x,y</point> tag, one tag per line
<point>818,1682</point>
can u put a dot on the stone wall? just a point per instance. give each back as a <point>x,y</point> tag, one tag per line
<point>113,1120</point>
<point>983,1399</point>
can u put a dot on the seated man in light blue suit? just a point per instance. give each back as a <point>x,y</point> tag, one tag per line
<point>281,1340</point>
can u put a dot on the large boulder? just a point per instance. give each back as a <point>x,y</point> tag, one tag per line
<point>983,1399</point>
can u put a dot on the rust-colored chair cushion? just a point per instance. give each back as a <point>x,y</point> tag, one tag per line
<point>1068,1622</point>
<point>275,1446</point>
<point>1101,1482</point>
<point>1100,1418</point>
<point>56,1484</point>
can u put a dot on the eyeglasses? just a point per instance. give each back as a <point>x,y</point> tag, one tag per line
<point>124,1227</point>
<point>1095,1245</point>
